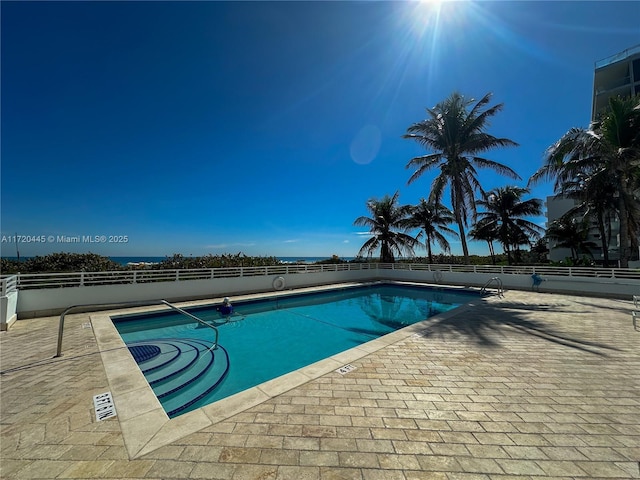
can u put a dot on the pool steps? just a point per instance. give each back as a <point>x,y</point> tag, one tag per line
<point>177,371</point>
<point>168,353</point>
<point>199,387</point>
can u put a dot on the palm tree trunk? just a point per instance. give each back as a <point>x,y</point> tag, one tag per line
<point>603,238</point>
<point>492,252</point>
<point>624,232</point>
<point>465,250</point>
<point>457,202</point>
<point>429,251</point>
<point>384,253</point>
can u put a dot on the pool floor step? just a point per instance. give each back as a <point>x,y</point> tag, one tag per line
<point>181,379</point>
<point>168,353</point>
<point>176,355</point>
<point>188,394</point>
<point>189,355</point>
<point>180,370</point>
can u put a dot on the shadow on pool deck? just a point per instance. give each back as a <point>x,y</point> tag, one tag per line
<point>483,325</point>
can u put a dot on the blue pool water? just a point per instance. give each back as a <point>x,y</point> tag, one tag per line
<point>267,338</point>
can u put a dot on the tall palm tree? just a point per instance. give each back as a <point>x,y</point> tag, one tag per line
<point>608,152</point>
<point>432,218</point>
<point>455,132</point>
<point>503,215</point>
<point>482,230</point>
<point>571,233</point>
<point>388,225</point>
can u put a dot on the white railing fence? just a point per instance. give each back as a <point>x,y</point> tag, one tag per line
<point>26,281</point>
<point>8,284</point>
<point>519,270</point>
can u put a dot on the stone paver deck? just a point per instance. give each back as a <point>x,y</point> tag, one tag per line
<point>528,386</point>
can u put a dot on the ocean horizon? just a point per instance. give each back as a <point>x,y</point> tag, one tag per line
<point>126,260</point>
<point>142,259</point>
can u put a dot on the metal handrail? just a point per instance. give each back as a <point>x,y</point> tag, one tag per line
<point>498,281</point>
<point>200,321</point>
<point>126,305</point>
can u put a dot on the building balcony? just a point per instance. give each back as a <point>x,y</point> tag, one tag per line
<point>612,85</point>
<point>618,57</point>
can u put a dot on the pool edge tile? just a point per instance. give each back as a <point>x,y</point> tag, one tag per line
<point>350,355</point>
<point>230,406</point>
<point>320,368</point>
<point>283,383</point>
<point>176,428</point>
<point>137,432</point>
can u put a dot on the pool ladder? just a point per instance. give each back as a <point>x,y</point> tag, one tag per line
<point>498,283</point>
<point>126,305</point>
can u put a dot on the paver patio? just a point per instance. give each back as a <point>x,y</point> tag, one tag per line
<point>532,385</point>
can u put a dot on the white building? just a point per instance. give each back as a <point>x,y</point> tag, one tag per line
<point>557,206</point>
<point>616,75</point>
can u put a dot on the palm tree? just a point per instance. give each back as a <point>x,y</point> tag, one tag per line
<point>483,231</point>
<point>595,196</point>
<point>571,233</point>
<point>540,250</point>
<point>388,225</point>
<point>455,132</point>
<point>432,218</point>
<point>503,216</point>
<point>608,153</point>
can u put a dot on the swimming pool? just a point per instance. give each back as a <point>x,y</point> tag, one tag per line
<point>267,338</point>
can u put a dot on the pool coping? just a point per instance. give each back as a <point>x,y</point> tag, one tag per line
<point>144,423</point>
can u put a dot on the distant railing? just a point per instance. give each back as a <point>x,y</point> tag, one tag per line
<point>8,284</point>
<point>520,270</point>
<point>618,56</point>
<point>25,281</point>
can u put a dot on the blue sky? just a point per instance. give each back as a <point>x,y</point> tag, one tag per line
<point>214,127</point>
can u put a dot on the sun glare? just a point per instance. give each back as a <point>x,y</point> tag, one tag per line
<point>435,3</point>
<point>426,20</point>
<point>424,15</point>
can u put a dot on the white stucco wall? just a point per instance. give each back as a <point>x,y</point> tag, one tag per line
<point>52,301</point>
<point>8,309</point>
<point>588,286</point>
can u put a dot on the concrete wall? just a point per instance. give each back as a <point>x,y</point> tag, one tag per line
<point>8,309</point>
<point>52,301</point>
<point>588,286</point>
